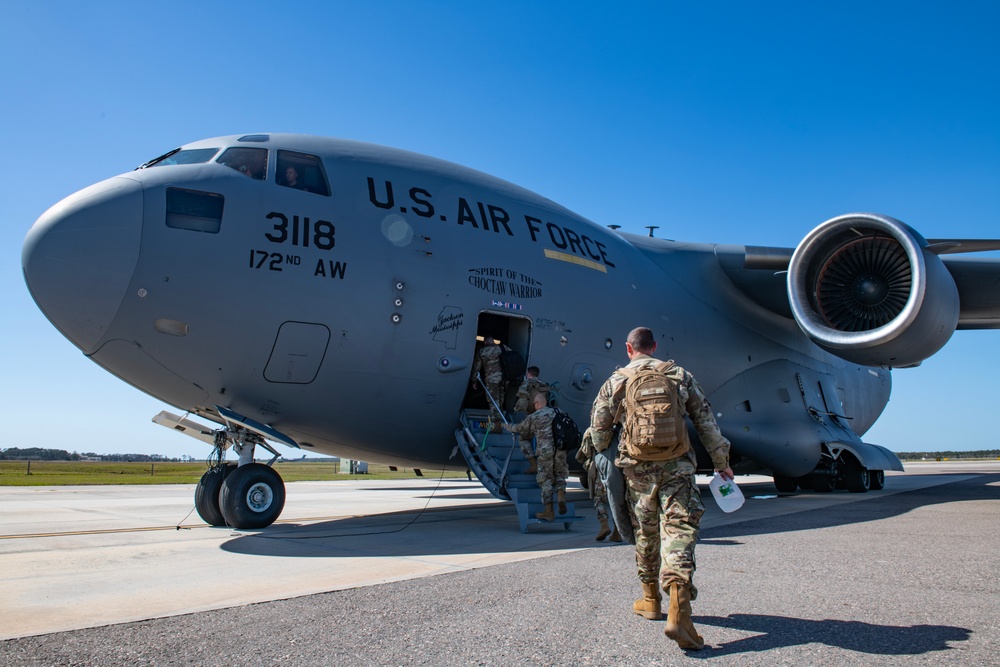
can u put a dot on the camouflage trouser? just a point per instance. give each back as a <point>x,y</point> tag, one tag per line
<point>526,449</point>
<point>600,496</point>
<point>494,385</point>
<point>666,512</point>
<point>552,470</point>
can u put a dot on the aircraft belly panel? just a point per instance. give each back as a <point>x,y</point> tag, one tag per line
<point>130,362</point>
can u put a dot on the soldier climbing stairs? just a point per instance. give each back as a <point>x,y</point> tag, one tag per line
<point>496,459</point>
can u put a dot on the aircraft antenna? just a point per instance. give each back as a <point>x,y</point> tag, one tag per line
<point>651,228</point>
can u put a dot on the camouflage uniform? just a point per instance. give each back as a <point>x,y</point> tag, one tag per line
<point>666,503</point>
<point>552,467</point>
<point>488,361</point>
<point>525,403</point>
<point>600,496</point>
<point>526,449</point>
<point>526,394</point>
<point>585,457</point>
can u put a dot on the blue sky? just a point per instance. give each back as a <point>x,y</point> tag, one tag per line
<point>726,122</point>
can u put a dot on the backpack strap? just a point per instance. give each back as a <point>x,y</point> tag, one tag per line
<point>664,366</point>
<point>628,374</point>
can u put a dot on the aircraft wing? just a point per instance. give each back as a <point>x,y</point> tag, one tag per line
<point>978,282</point>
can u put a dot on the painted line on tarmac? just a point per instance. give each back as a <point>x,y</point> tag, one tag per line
<point>292,520</point>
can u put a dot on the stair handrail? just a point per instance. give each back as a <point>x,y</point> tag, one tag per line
<point>506,463</point>
<point>467,443</point>
<point>490,396</point>
<point>513,437</point>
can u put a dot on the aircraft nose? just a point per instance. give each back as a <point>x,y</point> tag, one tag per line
<point>79,256</point>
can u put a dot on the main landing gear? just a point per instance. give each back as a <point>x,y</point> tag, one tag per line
<point>240,495</point>
<point>844,472</point>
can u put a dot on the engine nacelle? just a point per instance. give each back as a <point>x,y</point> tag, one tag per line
<point>864,287</point>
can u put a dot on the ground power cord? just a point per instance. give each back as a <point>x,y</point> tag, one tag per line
<point>373,532</point>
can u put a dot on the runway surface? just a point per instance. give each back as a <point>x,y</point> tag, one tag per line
<point>436,572</point>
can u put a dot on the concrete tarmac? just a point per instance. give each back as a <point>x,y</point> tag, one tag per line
<point>436,572</point>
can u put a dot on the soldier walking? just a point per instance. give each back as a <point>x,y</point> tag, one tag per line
<point>650,398</point>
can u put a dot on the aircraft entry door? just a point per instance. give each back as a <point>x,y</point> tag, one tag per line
<point>512,331</point>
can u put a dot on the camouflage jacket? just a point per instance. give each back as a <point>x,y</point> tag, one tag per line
<point>696,406</point>
<point>537,424</point>
<point>488,361</point>
<point>526,394</point>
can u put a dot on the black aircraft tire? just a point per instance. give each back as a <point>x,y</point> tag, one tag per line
<point>856,477</point>
<point>252,496</point>
<point>206,494</point>
<point>876,480</point>
<point>785,484</point>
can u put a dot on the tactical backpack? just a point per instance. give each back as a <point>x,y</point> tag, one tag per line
<point>511,364</point>
<point>654,428</point>
<point>565,433</point>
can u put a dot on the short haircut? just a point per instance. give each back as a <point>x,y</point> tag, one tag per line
<point>641,339</point>
<point>533,370</point>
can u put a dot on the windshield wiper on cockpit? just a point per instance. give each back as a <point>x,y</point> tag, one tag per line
<point>156,159</point>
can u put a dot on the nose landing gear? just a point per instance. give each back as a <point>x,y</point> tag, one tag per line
<point>245,495</point>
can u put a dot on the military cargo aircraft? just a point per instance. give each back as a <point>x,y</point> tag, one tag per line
<point>330,295</point>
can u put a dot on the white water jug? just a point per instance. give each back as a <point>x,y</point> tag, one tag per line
<point>726,494</point>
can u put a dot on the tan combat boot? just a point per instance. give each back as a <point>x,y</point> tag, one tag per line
<point>547,515</point>
<point>649,605</point>
<point>679,626</point>
<point>532,466</point>
<point>616,536</point>
<point>605,530</point>
<point>561,495</point>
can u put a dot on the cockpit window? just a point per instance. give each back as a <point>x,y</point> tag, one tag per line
<point>302,172</point>
<point>183,156</point>
<point>250,162</point>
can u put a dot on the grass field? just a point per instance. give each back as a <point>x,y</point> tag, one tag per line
<point>63,473</point>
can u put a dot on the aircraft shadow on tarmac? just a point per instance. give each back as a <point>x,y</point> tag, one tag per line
<point>477,491</point>
<point>494,528</point>
<point>773,632</point>
<point>396,534</point>
<point>476,486</point>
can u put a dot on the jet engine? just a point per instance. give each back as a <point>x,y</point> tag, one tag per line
<point>866,288</point>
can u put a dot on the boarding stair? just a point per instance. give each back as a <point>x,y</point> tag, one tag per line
<point>495,457</point>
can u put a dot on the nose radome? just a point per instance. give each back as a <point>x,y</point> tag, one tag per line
<point>78,258</point>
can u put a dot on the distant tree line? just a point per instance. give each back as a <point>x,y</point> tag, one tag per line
<point>37,454</point>
<point>40,454</point>
<point>977,454</point>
